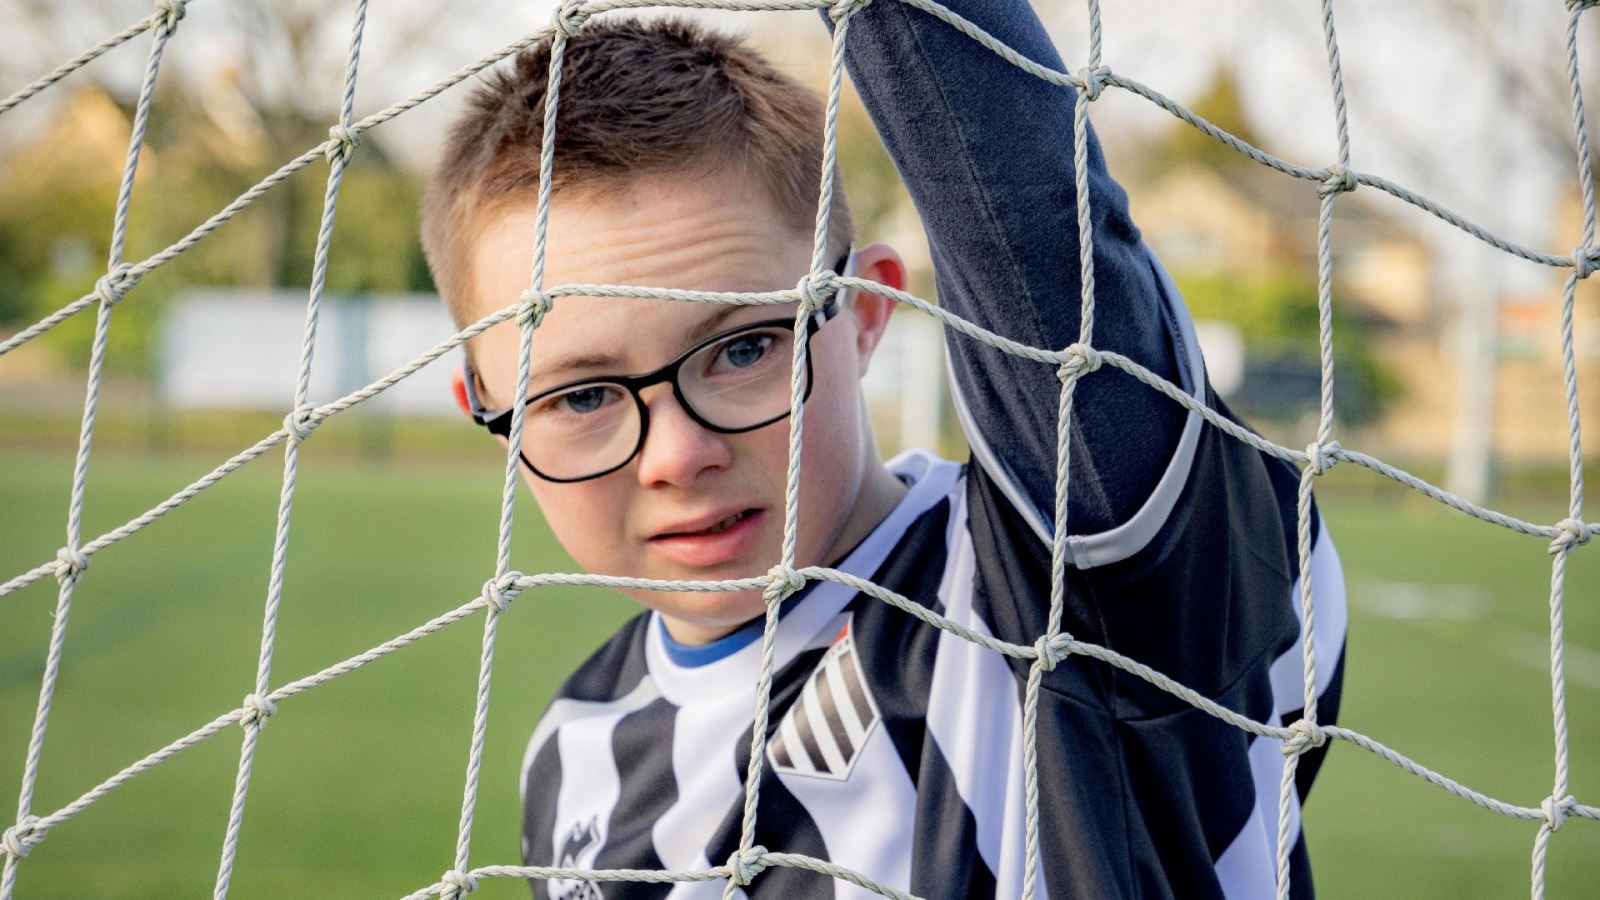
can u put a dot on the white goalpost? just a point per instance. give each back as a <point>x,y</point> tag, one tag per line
<point>265,697</point>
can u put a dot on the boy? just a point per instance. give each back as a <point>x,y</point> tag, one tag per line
<point>894,749</point>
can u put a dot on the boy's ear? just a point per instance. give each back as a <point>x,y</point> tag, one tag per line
<point>458,386</point>
<point>880,263</point>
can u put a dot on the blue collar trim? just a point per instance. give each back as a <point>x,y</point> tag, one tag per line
<point>692,656</point>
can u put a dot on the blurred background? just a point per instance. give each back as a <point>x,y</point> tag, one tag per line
<point>1448,364</point>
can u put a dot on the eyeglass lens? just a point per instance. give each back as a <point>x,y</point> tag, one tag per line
<point>734,384</point>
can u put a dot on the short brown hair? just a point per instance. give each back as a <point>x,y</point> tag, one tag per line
<point>663,96</point>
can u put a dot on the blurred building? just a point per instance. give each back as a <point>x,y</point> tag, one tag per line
<point>1227,217</point>
<point>1531,420</point>
<point>1245,223</point>
<point>232,349</point>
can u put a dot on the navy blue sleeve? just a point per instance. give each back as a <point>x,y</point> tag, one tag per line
<point>986,151</point>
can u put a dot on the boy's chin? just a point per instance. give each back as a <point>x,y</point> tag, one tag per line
<point>699,617</point>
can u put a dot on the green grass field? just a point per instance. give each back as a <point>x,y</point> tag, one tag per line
<point>358,783</point>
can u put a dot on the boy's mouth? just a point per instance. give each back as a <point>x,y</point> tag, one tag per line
<point>717,527</point>
<point>718,542</point>
<point>723,525</point>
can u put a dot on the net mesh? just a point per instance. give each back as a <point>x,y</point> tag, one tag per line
<point>1074,362</point>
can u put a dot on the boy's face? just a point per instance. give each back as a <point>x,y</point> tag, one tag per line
<point>649,519</point>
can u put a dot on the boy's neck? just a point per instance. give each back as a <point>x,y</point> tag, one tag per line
<point>880,493</point>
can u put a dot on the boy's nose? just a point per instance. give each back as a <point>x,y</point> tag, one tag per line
<point>677,449</point>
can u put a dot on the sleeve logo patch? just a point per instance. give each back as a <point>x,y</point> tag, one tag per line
<point>823,731</point>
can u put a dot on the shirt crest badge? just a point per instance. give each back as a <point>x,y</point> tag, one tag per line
<point>823,731</point>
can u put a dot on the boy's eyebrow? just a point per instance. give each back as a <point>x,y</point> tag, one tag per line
<point>581,361</point>
<point>709,324</point>
<point>584,361</point>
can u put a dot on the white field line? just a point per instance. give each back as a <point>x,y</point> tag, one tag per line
<point>1426,605</point>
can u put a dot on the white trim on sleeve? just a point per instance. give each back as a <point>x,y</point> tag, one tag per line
<point>1086,551</point>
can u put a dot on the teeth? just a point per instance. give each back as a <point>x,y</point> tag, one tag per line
<point>718,528</point>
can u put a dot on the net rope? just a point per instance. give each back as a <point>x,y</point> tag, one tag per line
<point>1053,648</point>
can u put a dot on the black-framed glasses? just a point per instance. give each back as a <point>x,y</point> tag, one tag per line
<point>732,382</point>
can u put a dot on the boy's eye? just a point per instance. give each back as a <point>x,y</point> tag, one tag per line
<point>581,400</point>
<point>743,351</point>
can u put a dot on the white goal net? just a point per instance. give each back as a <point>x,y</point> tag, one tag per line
<point>264,698</point>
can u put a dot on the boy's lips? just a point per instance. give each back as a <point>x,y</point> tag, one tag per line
<point>711,540</point>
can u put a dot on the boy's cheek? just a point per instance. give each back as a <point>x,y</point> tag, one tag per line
<point>557,519</point>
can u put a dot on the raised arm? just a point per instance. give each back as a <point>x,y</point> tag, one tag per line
<point>986,151</point>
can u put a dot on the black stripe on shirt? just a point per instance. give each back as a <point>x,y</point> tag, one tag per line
<point>1300,886</point>
<point>615,669</point>
<point>640,744</point>
<point>896,651</point>
<point>782,825</point>
<point>539,814</point>
<point>944,839</point>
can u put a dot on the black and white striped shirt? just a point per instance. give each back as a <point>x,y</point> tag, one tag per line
<point>895,749</point>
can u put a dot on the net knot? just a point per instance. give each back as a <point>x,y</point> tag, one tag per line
<point>345,140</point>
<point>569,17</point>
<point>1052,650</point>
<point>1303,735</point>
<point>111,286</point>
<point>257,710</point>
<point>1078,359</point>
<point>22,837</point>
<point>784,583</point>
<point>1571,533</point>
<point>1586,259</point>
<point>1339,181</point>
<point>301,422</point>
<point>1093,81</point>
<point>1581,5</point>
<point>1321,456</point>
<point>459,882</point>
<point>745,865</point>
<point>1556,811</point>
<point>536,304</point>
<point>815,289</point>
<point>170,12</point>
<point>70,563</point>
<point>839,10</point>
<point>499,592</point>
